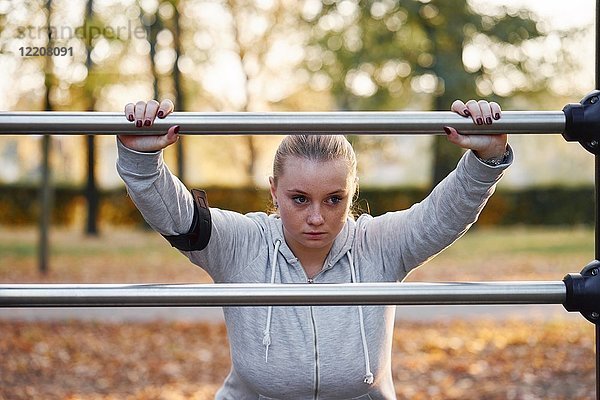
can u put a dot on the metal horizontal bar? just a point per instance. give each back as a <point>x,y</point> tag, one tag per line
<point>203,295</point>
<point>195,123</point>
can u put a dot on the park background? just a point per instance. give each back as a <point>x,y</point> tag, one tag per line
<point>278,55</point>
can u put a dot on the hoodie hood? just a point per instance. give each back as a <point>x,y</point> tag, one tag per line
<point>341,245</point>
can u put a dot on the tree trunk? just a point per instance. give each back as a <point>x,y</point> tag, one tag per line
<point>252,156</point>
<point>46,192</point>
<point>91,187</point>
<point>445,154</point>
<point>179,95</point>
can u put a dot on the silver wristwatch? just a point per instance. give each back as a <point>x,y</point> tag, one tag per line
<point>495,161</point>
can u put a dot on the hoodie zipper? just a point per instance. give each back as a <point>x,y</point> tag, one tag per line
<point>315,343</point>
<point>312,317</point>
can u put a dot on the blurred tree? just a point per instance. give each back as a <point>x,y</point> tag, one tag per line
<point>251,36</point>
<point>106,47</point>
<point>46,192</point>
<point>387,54</point>
<point>163,35</point>
<point>91,186</point>
<point>166,22</point>
<point>180,99</point>
<point>153,24</point>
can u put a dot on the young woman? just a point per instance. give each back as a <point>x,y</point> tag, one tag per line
<point>310,352</point>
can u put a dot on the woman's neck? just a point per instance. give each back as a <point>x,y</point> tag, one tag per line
<point>313,266</point>
<point>312,260</point>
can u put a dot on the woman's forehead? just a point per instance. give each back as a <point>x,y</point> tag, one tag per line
<point>301,172</point>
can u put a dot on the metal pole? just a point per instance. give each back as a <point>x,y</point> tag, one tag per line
<point>173,295</point>
<point>245,123</point>
<point>597,195</point>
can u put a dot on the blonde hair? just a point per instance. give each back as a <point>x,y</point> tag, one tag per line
<point>314,148</point>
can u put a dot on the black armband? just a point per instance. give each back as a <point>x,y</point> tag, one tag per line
<point>199,234</point>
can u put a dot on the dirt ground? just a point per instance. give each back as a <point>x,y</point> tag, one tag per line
<point>453,360</point>
<point>172,360</point>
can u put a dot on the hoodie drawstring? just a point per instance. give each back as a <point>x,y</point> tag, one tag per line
<point>267,331</point>
<point>368,379</point>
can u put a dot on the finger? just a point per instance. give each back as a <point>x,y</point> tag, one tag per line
<point>173,131</point>
<point>166,107</point>
<point>496,110</point>
<point>171,137</point>
<point>486,111</point>
<point>455,137</point>
<point>460,108</point>
<point>475,111</point>
<point>151,142</point>
<point>150,113</point>
<point>450,130</point>
<point>129,112</point>
<point>140,110</point>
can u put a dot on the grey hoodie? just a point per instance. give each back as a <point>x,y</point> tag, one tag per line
<point>311,352</point>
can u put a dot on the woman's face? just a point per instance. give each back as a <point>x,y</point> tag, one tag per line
<point>313,199</point>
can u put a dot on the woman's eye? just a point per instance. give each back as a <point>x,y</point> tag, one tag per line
<point>299,199</point>
<point>335,200</point>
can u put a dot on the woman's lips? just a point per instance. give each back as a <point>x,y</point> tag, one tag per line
<point>314,235</point>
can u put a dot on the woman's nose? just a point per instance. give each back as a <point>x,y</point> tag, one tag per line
<point>315,217</point>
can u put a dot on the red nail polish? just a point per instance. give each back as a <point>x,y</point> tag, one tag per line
<point>479,121</point>
<point>467,113</point>
<point>147,122</point>
<point>130,117</point>
<point>488,120</point>
<point>497,116</point>
<point>138,123</point>
<point>176,129</point>
<point>161,114</point>
<point>447,130</point>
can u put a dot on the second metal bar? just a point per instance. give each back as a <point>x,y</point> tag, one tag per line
<point>356,123</point>
<point>202,295</point>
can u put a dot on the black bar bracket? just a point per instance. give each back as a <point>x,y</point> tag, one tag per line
<point>583,292</point>
<point>582,122</point>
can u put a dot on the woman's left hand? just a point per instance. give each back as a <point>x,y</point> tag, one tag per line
<point>482,112</point>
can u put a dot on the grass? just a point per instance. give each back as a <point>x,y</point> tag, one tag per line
<point>125,256</point>
<point>521,253</point>
<point>515,253</point>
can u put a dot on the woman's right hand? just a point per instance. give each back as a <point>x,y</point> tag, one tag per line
<point>144,114</point>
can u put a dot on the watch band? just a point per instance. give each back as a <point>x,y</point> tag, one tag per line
<point>495,161</point>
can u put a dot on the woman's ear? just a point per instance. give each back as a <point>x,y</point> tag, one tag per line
<point>273,189</point>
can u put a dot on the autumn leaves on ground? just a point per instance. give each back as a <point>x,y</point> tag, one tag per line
<point>458,359</point>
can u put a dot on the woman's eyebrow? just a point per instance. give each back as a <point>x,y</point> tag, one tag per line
<point>299,191</point>
<point>296,191</point>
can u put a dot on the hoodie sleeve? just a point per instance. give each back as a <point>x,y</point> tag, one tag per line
<point>403,240</point>
<point>163,200</point>
<point>168,207</point>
